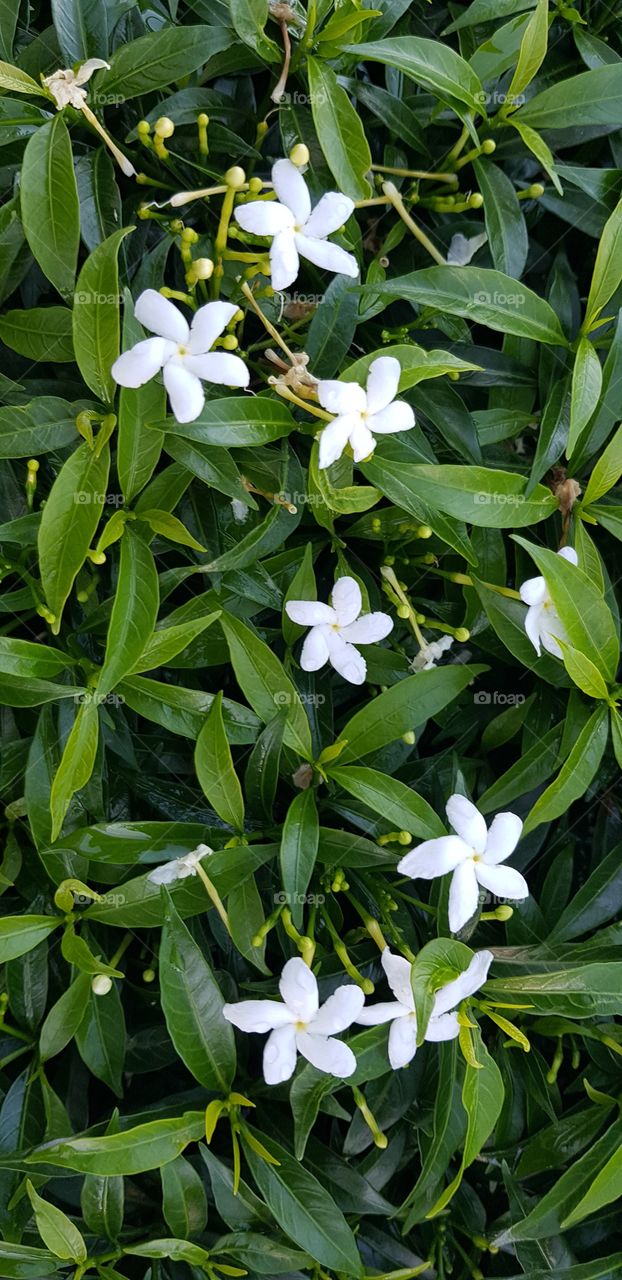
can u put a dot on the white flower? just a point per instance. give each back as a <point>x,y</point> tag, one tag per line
<point>179,868</point>
<point>461,249</point>
<point>299,1025</point>
<point>297,231</point>
<point>542,621</point>
<point>336,628</point>
<point>430,653</point>
<point>443,1025</point>
<point>183,353</point>
<point>473,855</point>
<point>65,87</point>
<point>361,412</point>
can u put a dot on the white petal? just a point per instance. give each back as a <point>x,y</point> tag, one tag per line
<point>368,629</point>
<point>329,256</point>
<point>298,989</point>
<point>339,1011</point>
<point>208,324</point>
<point>264,217</point>
<point>345,659</point>
<point>466,984</point>
<point>532,624</point>
<point>341,397</point>
<point>284,261</point>
<point>383,380</point>
<point>533,591</point>
<point>362,442</point>
<point>328,1055</point>
<point>330,213</point>
<point>463,895</point>
<point>445,1027</point>
<point>257,1015</point>
<point>333,440</point>
<point>373,1015</point>
<point>398,971</point>
<point>292,189</point>
<point>552,629</point>
<point>166,874</point>
<point>279,1055</point>
<point>160,316</point>
<point>569,554</point>
<point>184,392</point>
<point>141,362</point>
<point>467,820</point>
<point>461,249</point>
<point>219,366</point>
<point>397,416</point>
<point>309,613</point>
<point>346,600</point>
<point>314,650</point>
<point>433,858</point>
<point>503,882</point>
<point>503,837</point>
<point>91,65</point>
<point>402,1042</point>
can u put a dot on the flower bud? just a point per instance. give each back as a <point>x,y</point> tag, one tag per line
<point>164,127</point>
<point>235,177</point>
<point>409,738</point>
<point>203,120</point>
<point>229,342</point>
<point>101,985</point>
<point>476,200</point>
<point>143,129</point>
<point>462,634</point>
<point>255,185</point>
<point>203,268</point>
<point>148,975</point>
<point>488,146</point>
<point>299,155</point>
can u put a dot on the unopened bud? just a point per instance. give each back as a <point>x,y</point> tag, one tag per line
<point>229,342</point>
<point>148,975</point>
<point>101,985</point>
<point>488,147</point>
<point>299,155</point>
<point>164,127</point>
<point>235,177</point>
<point>203,268</point>
<point>462,634</point>
<point>476,200</point>
<point>409,738</point>
<point>504,913</point>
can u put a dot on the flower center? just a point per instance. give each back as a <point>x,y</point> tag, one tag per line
<point>301,1026</point>
<point>182,351</point>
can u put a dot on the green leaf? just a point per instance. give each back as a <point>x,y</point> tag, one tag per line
<point>134,611</point>
<point>64,1018</point>
<point>41,333</point>
<point>390,799</point>
<point>303,1208</point>
<point>340,131</point>
<point>236,422</point>
<point>435,66</point>
<point>184,1207</point>
<point>249,18</point>
<point>478,294</point>
<point>478,495</point>
<point>606,472</point>
<point>192,1005</point>
<point>576,773</point>
<point>76,764</point>
<point>167,642</point>
<point>17,81</point>
<point>607,273</point>
<point>57,1230</point>
<point>19,934</point>
<point>21,1262</point>
<point>68,522</point>
<point>41,426</point>
<point>505,224</point>
<point>299,845</point>
<point>263,680</point>
<point>101,1039</point>
<point>482,1099</point>
<point>532,51</point>
<point>155,60</point>
<point>585,615</point>
<point>540,150</point>
<point>404,707</point>
<point>49,204</point>
<point>587,381</point>
<point>135,1150</point>
<point>81,28</point>
<point>448,1129</point>
<point>138,449</point>
<point>215,769</point>
<point>96,325</point>
<point>262,771</point>
<point>102,1202</point>
<point>585,675</point>
<point>592,98</point>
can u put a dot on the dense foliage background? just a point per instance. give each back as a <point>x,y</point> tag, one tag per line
<point>153,697</point>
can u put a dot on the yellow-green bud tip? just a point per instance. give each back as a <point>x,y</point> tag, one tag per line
<point>101,985</point>
<point>148,975</point>
<point>488,147</point>
<point>203,120</point>
<point>189,235</point>
<point>424,531</point>
<point>143,128</point>
<point>462,634</point>
<point>367,986</point>
<point>255,185</point>
<point>537,190</point>
<point>476,200</point>
<point>381,1141</point>
<point>235,177</point>
<point>203,268</point>
<point>299,155</point>
<point>403,611</point>
<point>404,837</point>
<point>409,738</point>
<point>504,913</point>
<point>257,940</point>
<point>229,342</point>
<point>33,464</point>
<point>164,127</point>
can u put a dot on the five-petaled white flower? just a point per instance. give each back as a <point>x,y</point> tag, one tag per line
<point>179,868</point>
<point>443,1025</point>
<point>66,88</point>
<point>361,412</point>
<point>473,855</point>
<point>336,628</point>
<point>542,621</point>
<point>297,231</point>
<point>299,1025</point>
<point>182,351</point>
